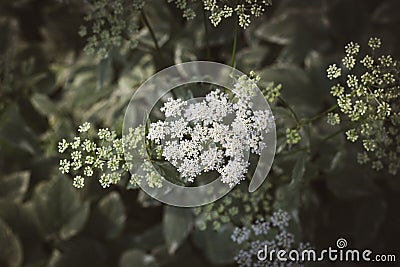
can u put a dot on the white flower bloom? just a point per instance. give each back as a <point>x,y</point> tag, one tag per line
<point>179,128</point>
<point>104,134</point>
<point>262,120</point>
<point>105,180</point>
<point>219,132</point>
<point>89,146</point>
<point>158,131</point>
<point>79,181</point>
<point>240,235</point>
<point>200,133</point>
<point>234,146</point>
<point>64,166</point>
<point>197,112</point>
<point>211,132</point>
<point>211,158</point>
<point>172,152</point>
<point>76,155</point>
<point>76,143</point>
<point>173,107</point>
<point>62,146</point>
<point>84,127</point>
<point>233,172</point>
<point>189,169</point>
<point>88,171</point>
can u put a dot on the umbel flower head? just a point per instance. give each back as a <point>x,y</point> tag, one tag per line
<point>103,154</point>
<point>367,95</point>
<point>220,9</point>
<point>272,233</point>
<point>213,134</point>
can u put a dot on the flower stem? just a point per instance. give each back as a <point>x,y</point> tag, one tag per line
<point>235,39</point>
<point>286,105</point>
<point>206,33</point>
<point>153,36</point>
<point>321,142</point>
<point>320,115</point>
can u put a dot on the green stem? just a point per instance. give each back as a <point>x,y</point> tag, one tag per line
<point>233,59</point>
<point>153,36</point>
<point>206,33</point>
<point>322,141</point>
<point>286,105</point>
<point>320,115</point>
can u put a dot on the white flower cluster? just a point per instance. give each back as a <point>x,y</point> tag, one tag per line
<point>258,235</point>
<point>212,134</point>
<point>85,156</point>
<point>222,9</point>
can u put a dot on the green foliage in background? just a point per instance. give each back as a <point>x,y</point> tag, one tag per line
<point>67,62</point>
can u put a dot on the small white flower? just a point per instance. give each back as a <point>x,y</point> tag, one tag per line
<point>173,107</point>
<point>189,169</point>
<point>89,160</point>
<point>62,146</point>
<point>333,72</point>
<point>76,143</point>
<point>84,127</point>
<point>88,145</point>
<point>78,182</point>
<point>179,128</point>
<point>105,180</point>
<point>211,158</point>
<point>88,171</point>
<point>104,134</point>
<point>233,172</point>
<point>76,155</point>
<point>64,166</point>
<point>158,131</point>
<point>113,163</point>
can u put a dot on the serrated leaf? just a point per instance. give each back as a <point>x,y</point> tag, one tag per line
<point>14,186</point>
<point>11,254</point>
<point>177,224</point>
<point>59,209</point>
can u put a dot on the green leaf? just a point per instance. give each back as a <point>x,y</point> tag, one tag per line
<point>11,254</point>
<point>137,258</point>
<point>20,217</point>
<point>288,196</point>
<point>110,211</point>
<point>370,213</point>
<point>217,245</point>
<point>251,58</point>
<point>104,72</point>
<point>177,224</point>
<point>58,208</point>
<point>299,169</point>
<point>47,83</point>
<point>15,132</point>
<point>79,252</point>
<point>387,12</point>
<point>44,105</point>
<point>14,186</point>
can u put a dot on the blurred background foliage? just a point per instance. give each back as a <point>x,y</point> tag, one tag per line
<point>49,86</point>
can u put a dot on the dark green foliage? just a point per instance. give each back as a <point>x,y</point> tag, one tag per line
<point>49,86</point>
